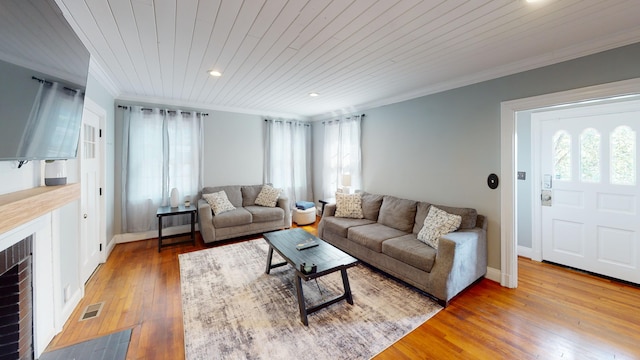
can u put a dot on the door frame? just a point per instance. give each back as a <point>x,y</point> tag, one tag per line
<point>102,226</point>
<point>508,160</point>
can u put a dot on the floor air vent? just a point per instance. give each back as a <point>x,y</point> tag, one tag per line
<point>91,311</point>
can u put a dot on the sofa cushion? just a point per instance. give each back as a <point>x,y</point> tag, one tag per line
<point>371,205</point>
<point>249,194</point>
<point>233,193</point>
<point>438,223</point>
<point>339,226</point>
<point>422,209</point>
<point>239,216</point>
<point>409,250</point>
<point>469,216</point>
<point>373,235</point>
<point>219,202</point>
<point>349,206</point>
<point>264,214</point>
<point>397,213</point>
<point>268,196</point>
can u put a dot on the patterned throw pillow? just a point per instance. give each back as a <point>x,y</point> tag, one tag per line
<point>349,206</point>
<point>436,224</point>
<point>219,202</point>
<point>268,196</point>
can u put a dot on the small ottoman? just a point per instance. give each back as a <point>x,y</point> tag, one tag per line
<point>304,217</point>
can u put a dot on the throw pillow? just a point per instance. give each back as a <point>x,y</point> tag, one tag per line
<point>219,202</point>
<point>268,196</point>
<point>436,224</point>
<point>349,206</point>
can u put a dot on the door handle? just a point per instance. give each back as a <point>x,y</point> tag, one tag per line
<point>545,196</point>
<point>85,216</point>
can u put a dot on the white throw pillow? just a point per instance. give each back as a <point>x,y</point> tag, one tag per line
<point>349,205</point>
<point>437,223</point>
<point>219,202</point>
<point>268,196</point>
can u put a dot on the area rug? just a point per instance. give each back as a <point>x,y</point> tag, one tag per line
<point>233,310</point>
<point>109,347</point>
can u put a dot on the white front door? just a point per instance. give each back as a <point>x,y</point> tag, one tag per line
<point>590,194</point>
<point>90,229</point>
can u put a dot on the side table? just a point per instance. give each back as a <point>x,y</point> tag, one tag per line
<point>180,210</point>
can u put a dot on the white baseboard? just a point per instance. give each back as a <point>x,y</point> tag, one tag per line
<point>69,306</point>
<point>493,274</point>
<point>525,252</point>
<point>130,237</point>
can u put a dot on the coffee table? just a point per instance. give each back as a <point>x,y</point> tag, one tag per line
<point>326,257</point>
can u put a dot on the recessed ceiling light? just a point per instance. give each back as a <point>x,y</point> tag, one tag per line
<point>314,94</point>
<point>215,73</point>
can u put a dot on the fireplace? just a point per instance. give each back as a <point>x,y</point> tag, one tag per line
<point>16,304</point>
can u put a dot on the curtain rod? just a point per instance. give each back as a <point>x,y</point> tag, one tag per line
<point>324,122</point>
<point>289,122</point>
<point>163,110</point>
<point>50,83</point>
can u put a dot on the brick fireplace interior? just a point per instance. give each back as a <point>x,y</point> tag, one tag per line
<point>16,301</point>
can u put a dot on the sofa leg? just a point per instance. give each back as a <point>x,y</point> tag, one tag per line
<point>443,303</point>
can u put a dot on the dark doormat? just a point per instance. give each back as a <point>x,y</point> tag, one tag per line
<point>109,347</point>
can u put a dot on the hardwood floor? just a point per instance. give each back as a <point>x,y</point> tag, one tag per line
<point>555,313</point>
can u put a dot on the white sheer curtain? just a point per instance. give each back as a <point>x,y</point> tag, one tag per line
<point>287,158</point>
<point>342,154</point>
<point>162,150</point>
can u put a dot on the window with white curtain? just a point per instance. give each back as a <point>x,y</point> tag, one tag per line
<point>342,154</point>
<point>162,150</point>
<point>287,162</point>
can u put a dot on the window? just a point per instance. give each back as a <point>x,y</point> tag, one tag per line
<point>562,155</point>
<point>590,156</point>
<point>623,159</point>
<point>342,154</point>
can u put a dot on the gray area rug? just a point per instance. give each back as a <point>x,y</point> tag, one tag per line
<point>109,347</point>
<point>233,310</point>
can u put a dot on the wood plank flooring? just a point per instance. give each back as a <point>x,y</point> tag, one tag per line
<point>555,313</point>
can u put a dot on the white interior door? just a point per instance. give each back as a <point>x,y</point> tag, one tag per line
<point>589,169</point>
<point>90,229</point>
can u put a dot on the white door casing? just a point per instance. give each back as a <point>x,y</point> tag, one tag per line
<point>90,155</point>
<point>588,167</point>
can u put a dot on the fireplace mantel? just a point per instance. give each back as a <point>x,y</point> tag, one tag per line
<point>20,207</point>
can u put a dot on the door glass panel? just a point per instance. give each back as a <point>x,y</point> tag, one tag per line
<point>562,155</point>
<point>89,141</point>
<point>623,156</point>
<point>590,156</point>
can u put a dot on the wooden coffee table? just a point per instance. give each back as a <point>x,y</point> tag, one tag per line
<point>326,257</point>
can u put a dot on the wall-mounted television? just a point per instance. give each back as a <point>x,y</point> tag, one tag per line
<point>43,67</point>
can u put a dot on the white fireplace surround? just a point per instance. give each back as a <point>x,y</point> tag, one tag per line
<point>50,311</point>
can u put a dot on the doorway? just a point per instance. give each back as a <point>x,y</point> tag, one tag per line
<point>509,164</point>
<point>586,174</point>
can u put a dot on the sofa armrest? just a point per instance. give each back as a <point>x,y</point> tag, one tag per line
<point>205,221</point>
<point>283,202</point>
<point>329,210</point>
<point>461,260</point>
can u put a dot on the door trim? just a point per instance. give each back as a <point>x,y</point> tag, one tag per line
<point>508,160</point>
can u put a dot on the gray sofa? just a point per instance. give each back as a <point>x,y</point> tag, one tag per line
<point>246,219</point>
<point>386,238</point>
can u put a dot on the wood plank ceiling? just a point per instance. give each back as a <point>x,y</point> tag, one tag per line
<point>354,53</point>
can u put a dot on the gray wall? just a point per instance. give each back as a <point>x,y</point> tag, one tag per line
<point>441,148</point>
